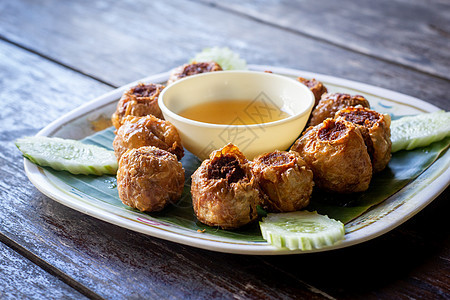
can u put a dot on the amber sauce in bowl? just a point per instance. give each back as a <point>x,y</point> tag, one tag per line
<point>235,112</point>
<point>256,111</point>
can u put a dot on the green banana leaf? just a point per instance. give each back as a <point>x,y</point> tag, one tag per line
<point>404,167</point>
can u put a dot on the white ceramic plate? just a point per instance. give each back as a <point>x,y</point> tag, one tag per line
<point>375,222</point>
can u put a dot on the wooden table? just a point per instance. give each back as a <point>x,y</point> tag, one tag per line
<point>57,55</point>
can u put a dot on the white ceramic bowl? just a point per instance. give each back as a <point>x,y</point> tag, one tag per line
<point>202,138</point>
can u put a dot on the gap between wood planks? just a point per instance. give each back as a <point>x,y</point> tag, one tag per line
<point>49,268</point>
<point>56,61</point>
<point>316,38</point>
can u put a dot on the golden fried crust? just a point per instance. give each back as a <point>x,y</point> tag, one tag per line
<point>149,178</point>
<point>286,180</point>
<point>316,87</point>
<point>224,191</point>
<point>329,104</point>
<point>192,69</point>
<point>378,127</point>
<point>140,100</point>
<point>336,153</point>
<point>147,131</point>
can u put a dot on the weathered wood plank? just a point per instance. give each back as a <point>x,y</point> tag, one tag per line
<point>122,42</point>
<point>410,33</point>
<point>111,261</point>
<point>21,279</point>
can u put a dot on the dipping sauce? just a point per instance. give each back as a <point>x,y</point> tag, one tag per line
<point>235,112</point>
<point>101,123</point>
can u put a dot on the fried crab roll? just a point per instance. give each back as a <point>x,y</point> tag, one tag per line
<point>316,87</point>
<point>193,69</point>
<point>378,127</point>
<point>140,100</point>
<point>147,131</point>
<point>329,104</point>
<point>224,190</point>
<point>149,178</point>
<point>337,155</point>
<point>285,179</point>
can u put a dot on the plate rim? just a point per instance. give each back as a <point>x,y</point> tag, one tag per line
<point>425,196</point>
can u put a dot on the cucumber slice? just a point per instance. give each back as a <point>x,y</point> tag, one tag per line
<point>68,155</point>
<point>420,130</point>
<point>226,58</point>
<point>302,230</point>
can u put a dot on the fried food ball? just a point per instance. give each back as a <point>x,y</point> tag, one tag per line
<point>147,131</point>
<point>316,87</point>
<point>224,190</point>
<point>329,104</point>
<point>378,128</point>
<point>337,155</point>
<point>140,100</point>
<point>149,178</point>
<point>192,69</point>
<point>286,180</point>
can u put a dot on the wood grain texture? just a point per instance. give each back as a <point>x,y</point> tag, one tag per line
<point>21,279</point>
<point>409,33</point>
<point>66,45</point>
<point>122,42</point>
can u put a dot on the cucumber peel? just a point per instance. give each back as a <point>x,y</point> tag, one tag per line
<point>68,155</point>
<point>420,130</point>
<point>302,230</point>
